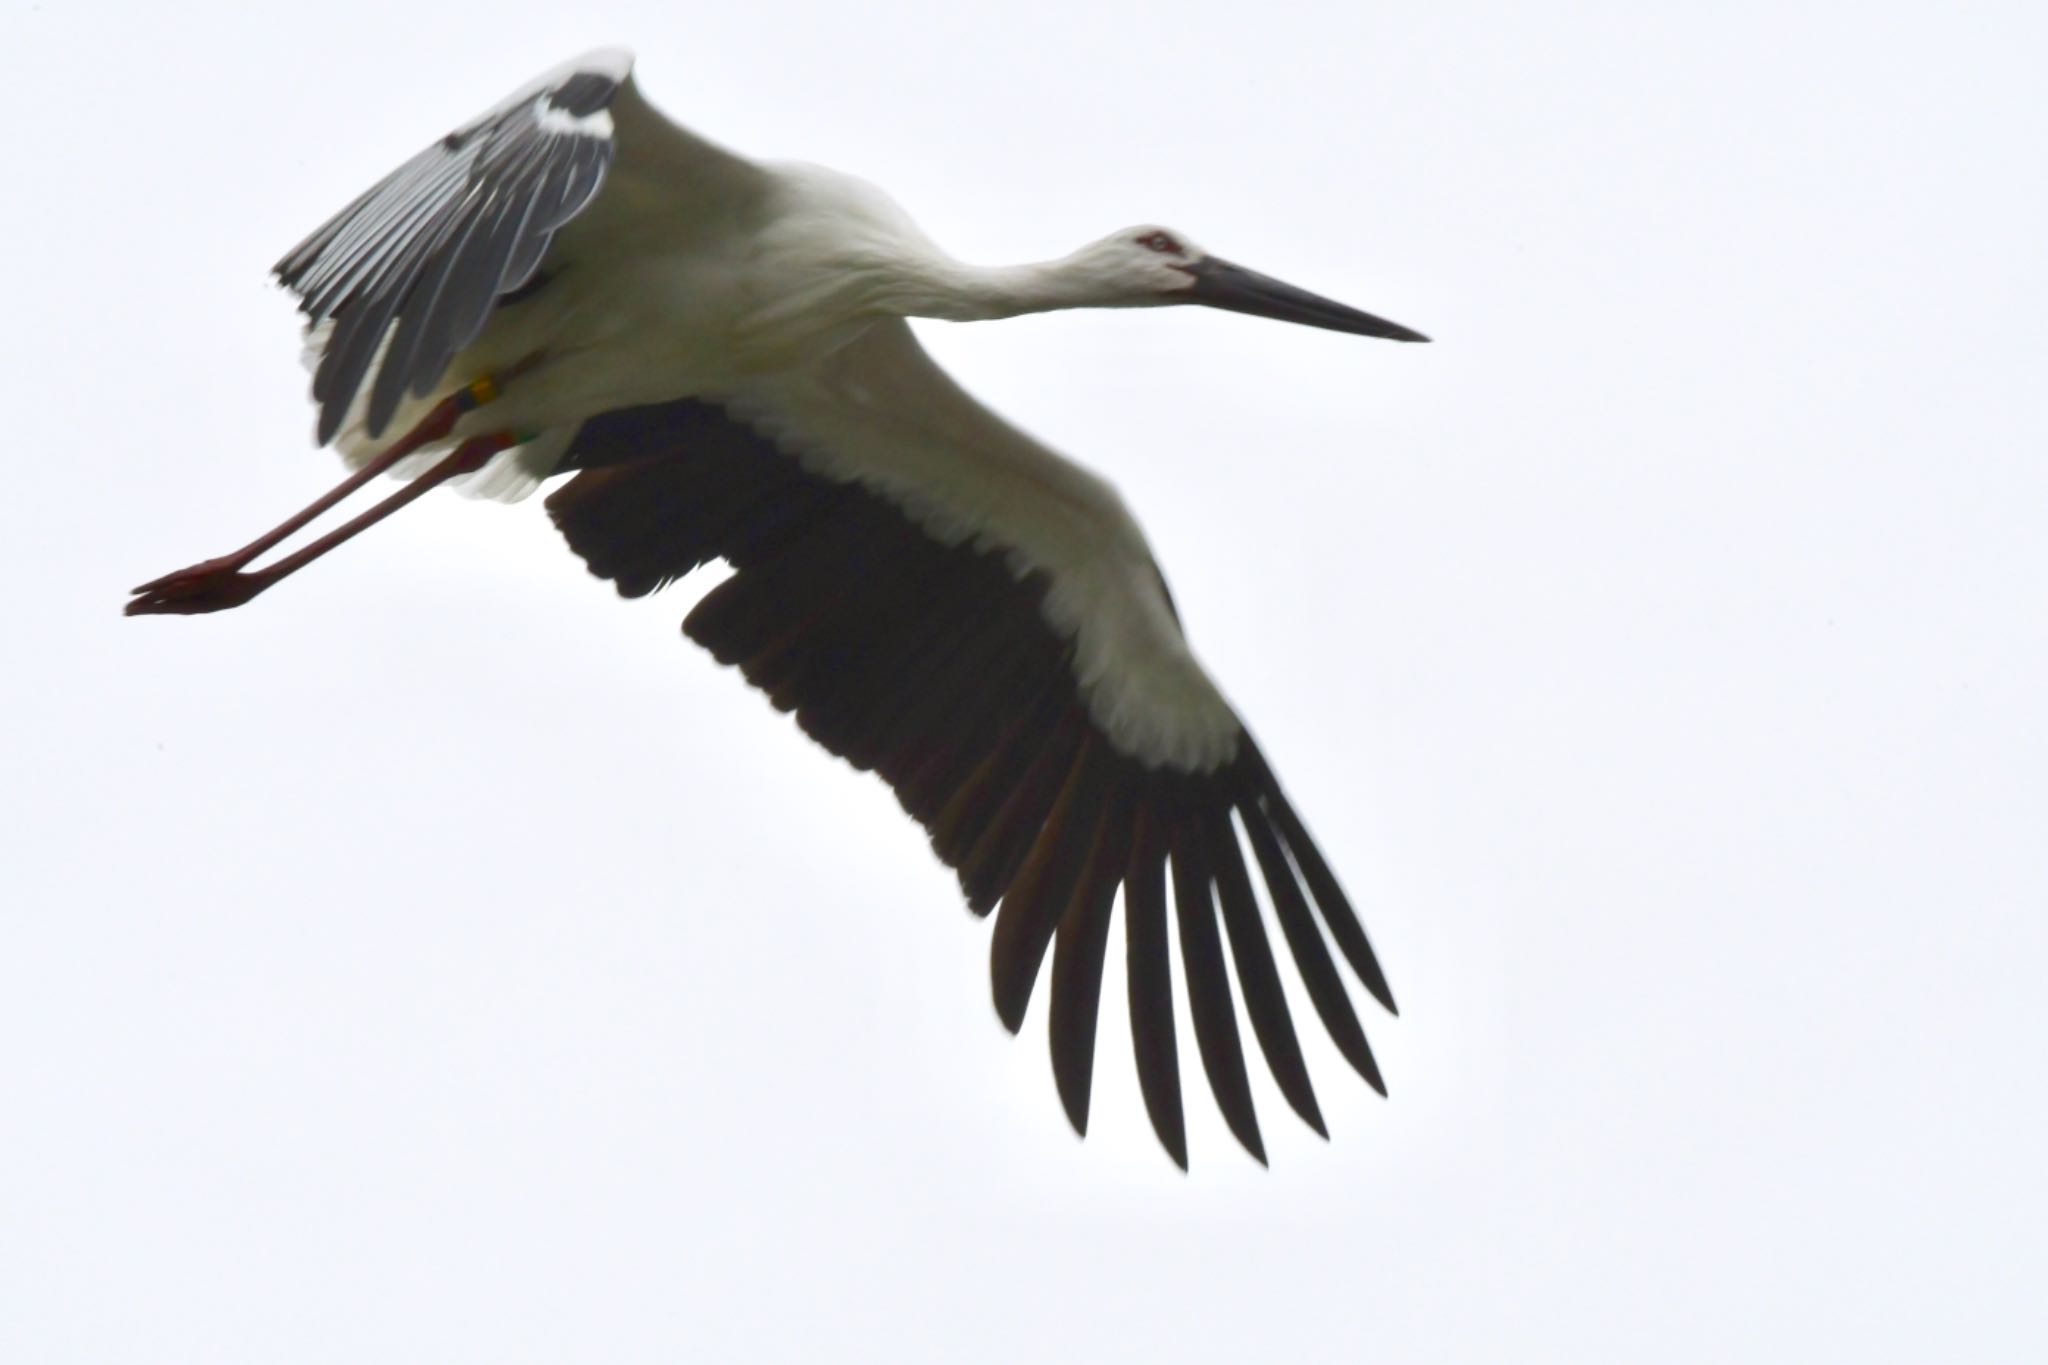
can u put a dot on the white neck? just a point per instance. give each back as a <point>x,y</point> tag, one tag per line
<point>850,250</point>
<point>958,292</point>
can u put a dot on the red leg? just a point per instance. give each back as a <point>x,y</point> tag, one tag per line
<point>213,576</point>
<point>219,584</point>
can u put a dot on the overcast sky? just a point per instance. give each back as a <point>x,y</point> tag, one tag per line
<point>439,960</point>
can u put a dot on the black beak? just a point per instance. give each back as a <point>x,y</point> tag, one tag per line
<point>1220,284</point>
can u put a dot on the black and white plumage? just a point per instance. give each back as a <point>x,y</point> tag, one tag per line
<point>716,350</point>
<point>436,243</point>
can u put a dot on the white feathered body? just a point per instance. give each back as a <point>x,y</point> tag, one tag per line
<point>780,295</point>
<point>720,350</point>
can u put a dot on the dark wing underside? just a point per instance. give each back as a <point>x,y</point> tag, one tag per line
<point>435,243</point>
<point>934,666</point>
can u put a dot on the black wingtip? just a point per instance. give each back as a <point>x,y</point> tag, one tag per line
<point>1369,1070</point>
<point>1079,948</point>
<point>1313,1117</point>
<point>1258,976</point>
<point>1010,1004</point>
<point>1151,984</point>
<point>1161,1095</point>
<point>1375,982</point>
<point>1338,915</point>
<point>1073,1099</point>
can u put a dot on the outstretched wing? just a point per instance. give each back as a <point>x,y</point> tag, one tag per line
<point>943,601</point>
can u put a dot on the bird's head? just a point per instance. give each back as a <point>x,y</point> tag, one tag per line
<point>1151,266</point>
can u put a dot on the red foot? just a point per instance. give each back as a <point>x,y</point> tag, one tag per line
<point>220,583</point>
<point>213,586</point>
<point>207,568</point>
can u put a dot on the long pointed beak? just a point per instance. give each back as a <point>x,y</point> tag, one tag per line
<point>1224,284</point>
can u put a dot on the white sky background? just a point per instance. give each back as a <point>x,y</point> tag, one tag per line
<point>436,960</point>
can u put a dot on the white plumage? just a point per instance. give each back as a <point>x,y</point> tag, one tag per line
<point>572,283</point>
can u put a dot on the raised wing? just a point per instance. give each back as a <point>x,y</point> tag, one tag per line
<point>434,243</point>
<point>411,270</point>
<point>941,600</point>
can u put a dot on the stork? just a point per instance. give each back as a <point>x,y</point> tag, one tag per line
<point>717,350</point>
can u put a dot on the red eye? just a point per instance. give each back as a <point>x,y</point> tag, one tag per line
<point>1161,242</point>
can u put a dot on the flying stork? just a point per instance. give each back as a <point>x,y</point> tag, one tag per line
<point>717,350</point>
